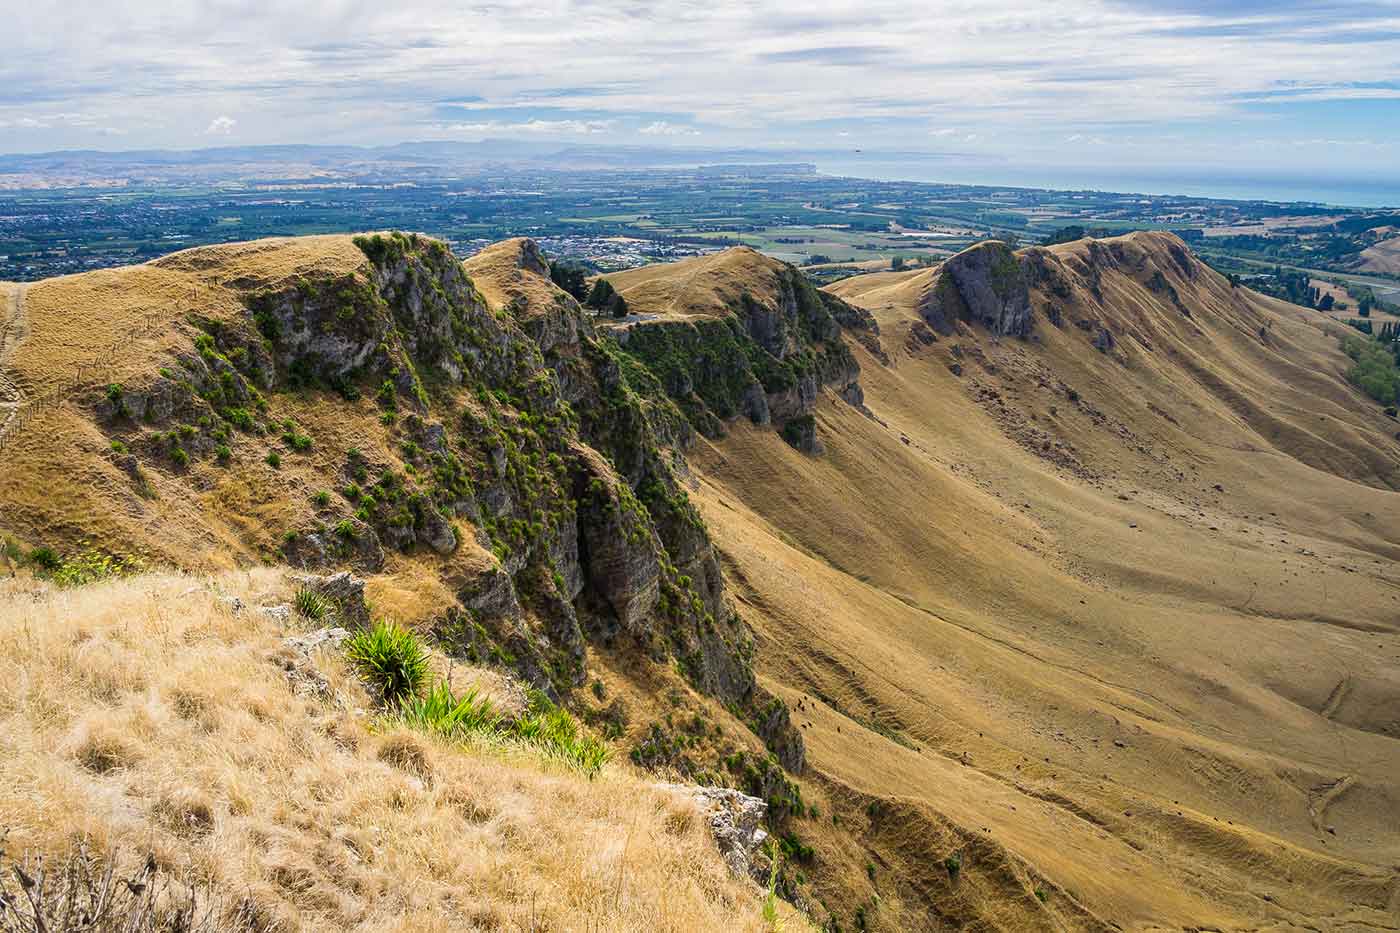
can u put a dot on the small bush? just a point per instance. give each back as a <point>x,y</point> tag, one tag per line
<point>223,453</point>
<point>45,558</point>
<point>556,733</point>
<point>312,605</point>
<point>442,712</point>
<point>118,400</point>
<point>392,659</point>
<point>301,443</point>
<point>90,566</point>
<point>953,864</point>
<point>321,499</point>
<point>274,460</point>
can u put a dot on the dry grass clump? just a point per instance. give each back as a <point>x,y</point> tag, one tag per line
<point>142,716</point>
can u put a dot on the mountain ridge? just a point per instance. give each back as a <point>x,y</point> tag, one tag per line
<point>1016,592</point>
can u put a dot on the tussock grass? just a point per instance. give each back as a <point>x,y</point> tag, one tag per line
<point>392,659</point>
<point>313,606</point>
<point>143,716</point>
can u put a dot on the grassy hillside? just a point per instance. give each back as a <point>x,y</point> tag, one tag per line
<point>149,717</point>
<point>1126,615</point>
<point>1087,629</point>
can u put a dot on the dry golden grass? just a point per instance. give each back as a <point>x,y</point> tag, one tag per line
<point>1176,704</point>
<point>1382,257</point>
<point>499,272</point>
<point>1161,703</point>
<point>144,716</point>
<point>705,286</point>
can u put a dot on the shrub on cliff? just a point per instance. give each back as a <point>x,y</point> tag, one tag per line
<point>391,658</point>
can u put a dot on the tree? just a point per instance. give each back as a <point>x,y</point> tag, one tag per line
<point>897,264</point>
<point>604,297</point>
<point>571,277</point>
<point>1326,303</point>
<point>1066,235</point>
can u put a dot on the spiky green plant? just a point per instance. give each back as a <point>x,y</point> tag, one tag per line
<point>312,605</point>
<point>555,732</point>
<point>441,711</point>
<point>392,659</point>
<point>771,920</point>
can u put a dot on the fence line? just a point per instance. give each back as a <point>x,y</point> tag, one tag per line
<point>26,410</point>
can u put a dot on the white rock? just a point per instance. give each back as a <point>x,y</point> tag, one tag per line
<point>736,821</point>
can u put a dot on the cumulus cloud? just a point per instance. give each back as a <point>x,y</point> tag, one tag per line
<point>663,128</point>
<point>1009,77</point>
<point>528,127</point>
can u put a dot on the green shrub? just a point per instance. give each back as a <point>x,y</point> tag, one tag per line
<point>322,499</point>
<point>45,558</point>
<point>239,417</point>
<point>118,447</point>
<point>953,864</point>
<point>391,658</point>
<point>223,453</point>
<point>1373,370</point>
<point>556,733</point>
<point>442,712</point>
<point>312,605</point>
<point>87,566</point>
<point>116,397</point>
<point>301,443</point>
<point>274,459</point>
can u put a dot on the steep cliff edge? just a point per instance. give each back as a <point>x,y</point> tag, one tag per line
<point>363,403</point>
<point>739,334</point>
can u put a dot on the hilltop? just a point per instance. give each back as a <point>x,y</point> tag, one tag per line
<point>1011,584</point>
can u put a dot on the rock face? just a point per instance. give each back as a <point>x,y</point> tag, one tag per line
<point>736,821</point>
<point>503,444</point>
<point>344,591</point>
<point>984,284</point>
<point>765,356</point>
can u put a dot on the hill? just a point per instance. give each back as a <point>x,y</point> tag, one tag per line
<point>1048,589</point>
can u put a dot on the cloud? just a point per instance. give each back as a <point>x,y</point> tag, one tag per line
<point>663,128</point>
<point>528,127</point>
<point>1175,76</point>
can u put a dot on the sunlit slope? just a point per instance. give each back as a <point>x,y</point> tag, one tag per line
<point>1180,704</point>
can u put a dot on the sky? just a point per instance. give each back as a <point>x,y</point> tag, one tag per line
<point>1307,88</point>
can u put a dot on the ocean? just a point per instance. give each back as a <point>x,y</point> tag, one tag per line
<point>1375,192</point>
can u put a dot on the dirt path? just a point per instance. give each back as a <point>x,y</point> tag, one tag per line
<point>13,328</point>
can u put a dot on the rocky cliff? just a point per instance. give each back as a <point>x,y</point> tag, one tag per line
<point>740,334</point>
<point>983,284</point>
<point>484,434</point>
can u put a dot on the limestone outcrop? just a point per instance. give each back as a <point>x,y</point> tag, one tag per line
<point>983,285</point>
